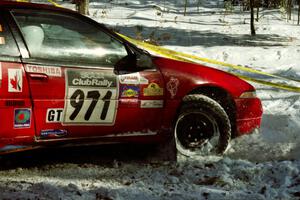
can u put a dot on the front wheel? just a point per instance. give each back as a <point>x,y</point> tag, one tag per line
<point>202,127</point>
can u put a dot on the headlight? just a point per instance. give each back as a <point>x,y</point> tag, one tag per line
<point>246,95</point>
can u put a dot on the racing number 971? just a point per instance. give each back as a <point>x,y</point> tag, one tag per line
<point>77,101</point>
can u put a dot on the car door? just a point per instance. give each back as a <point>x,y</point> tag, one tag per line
<point>75,89</point>
<point>16,122</point>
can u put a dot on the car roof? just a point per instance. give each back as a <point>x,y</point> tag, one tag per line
<point>25,5</point>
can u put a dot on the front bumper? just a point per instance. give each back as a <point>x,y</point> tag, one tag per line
<point>248,115</point>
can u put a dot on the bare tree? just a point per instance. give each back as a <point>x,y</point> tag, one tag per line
<point>82,6</point>
<point>257,13</point>
<point>185,5</point>
<point>252,18</point>
<point>298,12</point>
<point>257,4</point>
<point>198,5</point>
<point>289,9</point>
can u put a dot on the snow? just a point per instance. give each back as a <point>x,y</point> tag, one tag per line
<point>221,178</point>
<point>263,165</point>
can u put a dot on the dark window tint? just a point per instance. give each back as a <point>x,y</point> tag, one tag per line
<point>67,38</point>
<point>8,46</point>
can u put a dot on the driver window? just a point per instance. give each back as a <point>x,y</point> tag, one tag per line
<point>66,38</point>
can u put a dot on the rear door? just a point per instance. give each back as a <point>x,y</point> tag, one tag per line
<point>75,90</point>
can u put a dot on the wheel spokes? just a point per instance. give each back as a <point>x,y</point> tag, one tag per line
<point>197,132</point>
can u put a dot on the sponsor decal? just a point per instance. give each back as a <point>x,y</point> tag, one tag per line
<point>130,78</point>
<point>152,103</point>
<point>129,102</point>
<point>143,80</point>
<point>15,80</point>
<point>54,115</point>
<point>50,71</point>
<point>53,133</point>
<point>172,86</point>
<point>130,91</point>
<point>133,79</point>
<point>14,103</point>
<point>91,97</point>
<point>22,118</point>
<point>90,79</point>
<point>2,40</point>
<point>153,89</point>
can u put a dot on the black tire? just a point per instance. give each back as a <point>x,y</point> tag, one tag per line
<point>202,127</point>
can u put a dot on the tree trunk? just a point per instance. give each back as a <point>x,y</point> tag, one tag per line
<point>82,6</point>
<point>289,9</point>
<point>257,14</point>
<point>243,5</point>
<point>185,5</point>
<point>298,12</point>
<point>252,18</point>
<point>198,5</point>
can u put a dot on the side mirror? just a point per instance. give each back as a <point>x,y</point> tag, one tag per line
<point>126,64</point>
<point>144,61</point>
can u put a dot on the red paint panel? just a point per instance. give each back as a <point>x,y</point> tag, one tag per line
<point>249,115</point>
<point>248,108</point>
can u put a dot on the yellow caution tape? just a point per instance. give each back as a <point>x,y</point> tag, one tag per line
<point>51,1</point>
<point>275,85</point>
<point>190,58</point>
<point>54,3</point>
<point>241,68</point>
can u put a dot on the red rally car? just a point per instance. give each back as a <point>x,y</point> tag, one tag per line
<point>68,80</point>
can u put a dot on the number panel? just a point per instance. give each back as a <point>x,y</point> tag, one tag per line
<point>91,111</point>
<point>94,101</point>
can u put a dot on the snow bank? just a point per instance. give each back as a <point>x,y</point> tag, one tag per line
<point>221,178</point>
